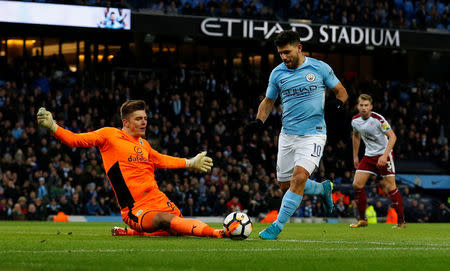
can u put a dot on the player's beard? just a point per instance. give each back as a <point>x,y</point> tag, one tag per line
<point>293,64</point>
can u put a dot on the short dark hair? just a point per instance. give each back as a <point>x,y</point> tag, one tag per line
<point>130,106</point>
<point>287,37</point>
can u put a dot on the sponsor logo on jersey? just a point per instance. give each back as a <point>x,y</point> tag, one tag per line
<point>310,77</point>
<point>298,91</point>
<point>137,159</point>
<point>282,81</point>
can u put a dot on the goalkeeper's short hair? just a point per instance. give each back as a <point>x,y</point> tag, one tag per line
<point>130,106</point>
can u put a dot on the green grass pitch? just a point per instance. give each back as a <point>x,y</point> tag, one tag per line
<point>90,246</point>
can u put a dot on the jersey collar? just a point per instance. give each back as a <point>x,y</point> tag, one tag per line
<point>130,137</point>
<point>304,64</point>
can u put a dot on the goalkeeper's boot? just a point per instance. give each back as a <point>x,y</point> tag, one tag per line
<point>118,231</point>
<point>327,197</point>
<point>399,226</point>
<point>359,224</point>
<point>270,233</point>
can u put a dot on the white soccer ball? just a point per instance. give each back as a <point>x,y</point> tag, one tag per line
<point>244,225</point>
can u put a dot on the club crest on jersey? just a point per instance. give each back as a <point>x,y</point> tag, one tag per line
<point>138,150</point>
<point>310,77</point>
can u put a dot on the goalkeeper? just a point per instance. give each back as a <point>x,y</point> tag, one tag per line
<point>130,162</point>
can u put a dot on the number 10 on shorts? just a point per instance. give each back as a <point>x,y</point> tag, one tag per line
<point>317,150</point>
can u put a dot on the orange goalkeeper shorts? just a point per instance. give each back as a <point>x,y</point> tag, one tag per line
<point>148,206</point>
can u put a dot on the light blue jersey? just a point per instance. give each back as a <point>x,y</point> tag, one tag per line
<point>302,92</point>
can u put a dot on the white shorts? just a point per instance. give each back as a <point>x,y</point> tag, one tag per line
<point>295,150</point>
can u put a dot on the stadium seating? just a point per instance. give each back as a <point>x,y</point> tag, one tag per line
<point>409,7</point>
<point>78,177</point>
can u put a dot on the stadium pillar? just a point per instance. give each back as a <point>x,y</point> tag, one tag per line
<point>245,59</point>
<point>229,59</point>
<point>6,50</point>
<point>105,54</point>
<point>139,43</point>
<point>42,50</point>
<point>77,59</point>
<point>87,55</point>
<point>95,54</point>
<point>24,47</point>
<point>264,62</point>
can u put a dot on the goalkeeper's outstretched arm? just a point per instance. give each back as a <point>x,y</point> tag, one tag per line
<point>85,140</point>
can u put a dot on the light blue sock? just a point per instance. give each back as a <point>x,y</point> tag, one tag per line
<point>313,188</point>
<point>289,204</point>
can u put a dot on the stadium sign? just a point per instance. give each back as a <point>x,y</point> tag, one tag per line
<point>65,15</point>
<point>425,181</point>
<point>253,29</point>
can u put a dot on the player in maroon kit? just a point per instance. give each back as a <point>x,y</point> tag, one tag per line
<point>379,140</point>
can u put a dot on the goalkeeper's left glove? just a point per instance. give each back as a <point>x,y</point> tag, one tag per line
<point>45,119</point>
<point>200,162</point>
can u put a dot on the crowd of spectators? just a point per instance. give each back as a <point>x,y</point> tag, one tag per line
<point>404,14</point>
<point>407,14</point>
<point>189,110</point>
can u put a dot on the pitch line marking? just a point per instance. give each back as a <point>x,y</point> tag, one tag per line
<point>211,250</point>
<point>280,240</point>
<point>358,243</point>
<point>51,233</point>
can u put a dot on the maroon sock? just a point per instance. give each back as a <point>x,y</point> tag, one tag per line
<point>361,201</point>
<point>397,203</point>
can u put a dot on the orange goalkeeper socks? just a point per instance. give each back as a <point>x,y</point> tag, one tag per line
<point>187,226</point>
<point>131,232</point>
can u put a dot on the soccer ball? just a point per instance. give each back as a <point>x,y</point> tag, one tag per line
<point>244,225</point>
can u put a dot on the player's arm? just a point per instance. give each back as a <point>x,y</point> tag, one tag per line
<point>341,93</point>
<point>200,162</point>
<point>392,138</point>
<point>264,109</point>
<point>91,139</point>
<point>332,82</point>
<point>356,141</point>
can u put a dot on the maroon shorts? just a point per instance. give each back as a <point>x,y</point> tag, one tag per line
<point>369,164</point>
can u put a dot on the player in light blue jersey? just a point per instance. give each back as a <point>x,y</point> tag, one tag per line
<point>301,83</point>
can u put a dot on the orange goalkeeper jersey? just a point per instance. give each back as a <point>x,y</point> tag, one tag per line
<point>129,162</point>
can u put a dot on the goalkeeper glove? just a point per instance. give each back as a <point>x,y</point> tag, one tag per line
<point>200,162</point>
<point>252,127</point>
<point>45,119</point>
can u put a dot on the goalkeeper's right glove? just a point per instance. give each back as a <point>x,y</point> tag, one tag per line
<point>252,127</point>
<point>200,162</point>
<point>45,119</point>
